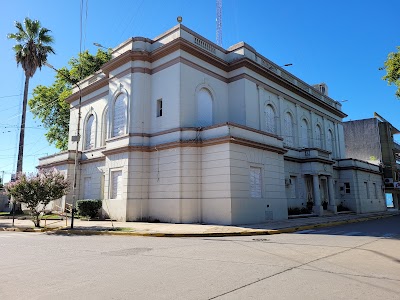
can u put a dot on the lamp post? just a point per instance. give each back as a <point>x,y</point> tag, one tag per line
<point>101,46</point>
<point>77,140</point>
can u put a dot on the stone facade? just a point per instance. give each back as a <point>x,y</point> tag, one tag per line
<point>181,130</point>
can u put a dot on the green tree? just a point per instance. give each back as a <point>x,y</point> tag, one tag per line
<point>31,50</point>
<point>36,191</point>
<point>392,67</point>
<point>48,102</point>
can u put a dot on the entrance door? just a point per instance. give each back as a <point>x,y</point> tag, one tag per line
<point>309,189</point>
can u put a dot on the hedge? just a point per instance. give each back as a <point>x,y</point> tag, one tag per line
<point>89,207</point>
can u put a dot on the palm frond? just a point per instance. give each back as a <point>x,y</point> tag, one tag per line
<point>33,45</point>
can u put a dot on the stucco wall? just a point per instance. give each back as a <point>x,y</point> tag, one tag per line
<point>273,203</point>
<point>358,145</point>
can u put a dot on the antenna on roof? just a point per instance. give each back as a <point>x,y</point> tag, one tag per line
<point>219,23</point>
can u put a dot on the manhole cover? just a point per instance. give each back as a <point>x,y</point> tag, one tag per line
<point>261,240</point>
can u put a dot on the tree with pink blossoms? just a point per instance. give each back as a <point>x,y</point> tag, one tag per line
<point>38,190</point>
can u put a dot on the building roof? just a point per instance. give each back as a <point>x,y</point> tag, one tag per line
<point>381,119</point>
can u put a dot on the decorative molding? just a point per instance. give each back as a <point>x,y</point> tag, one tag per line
<point>208,57</point>
<point>306,160</point>
<point>57,163</point>
<point>356,168</point>
<point>92,160</point>
<point>191,143</point>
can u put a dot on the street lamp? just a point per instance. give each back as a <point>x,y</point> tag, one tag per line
<point>101,46</point>
<point>77,140</point>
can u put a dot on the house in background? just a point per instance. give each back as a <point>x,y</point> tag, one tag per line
<point>178,129</point>
<point>372,140</point>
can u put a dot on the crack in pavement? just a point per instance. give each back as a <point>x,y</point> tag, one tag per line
<point>288,269</point>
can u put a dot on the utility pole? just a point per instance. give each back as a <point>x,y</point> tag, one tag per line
<point>77,138</point>
<point>219,23</point>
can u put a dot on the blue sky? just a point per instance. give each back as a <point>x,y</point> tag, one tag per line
<point>341,43</point>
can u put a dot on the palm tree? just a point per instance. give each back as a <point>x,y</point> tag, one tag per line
<point>31,50</point>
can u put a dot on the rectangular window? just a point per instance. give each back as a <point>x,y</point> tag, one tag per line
<point>366,189</point>
<point>255,182</point>
<point>292,186</point>
<point>375,191</point>
<point>87,188</point>
<point>159,108</point>
<point>347,187</point>
<point>116,184</point>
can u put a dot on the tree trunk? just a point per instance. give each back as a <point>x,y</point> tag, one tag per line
<point>36,220</point>
<point>22,128</point>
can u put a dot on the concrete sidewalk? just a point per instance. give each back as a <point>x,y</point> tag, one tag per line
<point>189,230</point>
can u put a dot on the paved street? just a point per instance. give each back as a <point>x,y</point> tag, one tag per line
<point>354,261</point>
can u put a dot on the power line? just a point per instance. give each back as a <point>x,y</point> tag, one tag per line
<point>29,127</point>
<point>14,147</point>
<point>132,18</point>
<point>10,96</point>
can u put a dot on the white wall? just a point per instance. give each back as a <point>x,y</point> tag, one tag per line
<point>192,80</point>
<point>273,204</point>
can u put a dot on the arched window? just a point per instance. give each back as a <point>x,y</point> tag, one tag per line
<point>270,124</point>
<point>288,132</point>
<point>304,134</point>
<point>104,127</point>
<point>329,141</point>
<point>119,116</point>
<point>318,137</point>
<point>90,133</point>
<point>204,108</point>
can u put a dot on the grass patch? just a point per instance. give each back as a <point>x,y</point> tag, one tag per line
<point>52,216</point>
<point>122,229</point>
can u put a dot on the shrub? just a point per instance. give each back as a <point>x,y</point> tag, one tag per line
<point>341,207</point>
<point>89,207</point>
<point>298,211</point>
<point>305,210</point>
<point>293,211</point>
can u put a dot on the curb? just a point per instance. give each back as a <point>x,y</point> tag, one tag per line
<point>65,231</point>
<point>219,234</point>
<point>29,229</point>
<point>158,234</point>
<point>334,223</point>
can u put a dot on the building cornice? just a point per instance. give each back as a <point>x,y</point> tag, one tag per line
<point>308,160</point>
<point>356,168</point>
<point>205,56</point>
<point>192,143</point>
<point>249,64</point>
<point>56,163</point>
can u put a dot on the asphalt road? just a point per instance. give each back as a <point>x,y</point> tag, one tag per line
<point>356,261</point>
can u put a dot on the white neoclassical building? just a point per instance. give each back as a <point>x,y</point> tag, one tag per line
<point>178,129</point>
